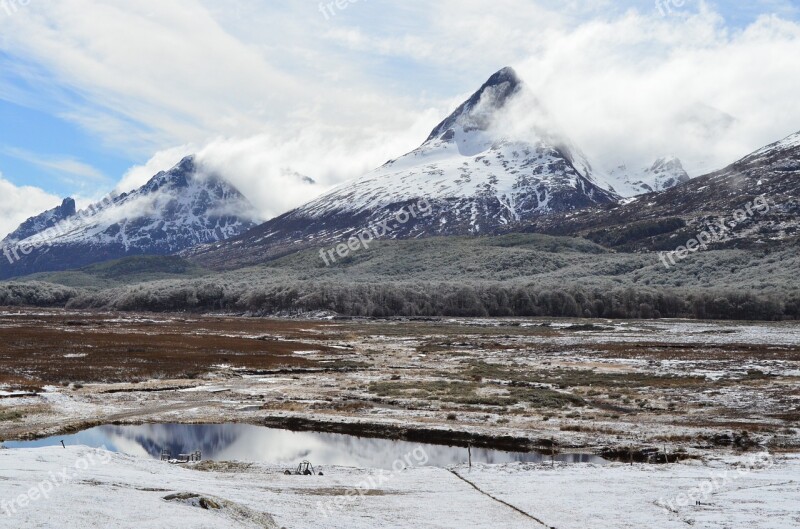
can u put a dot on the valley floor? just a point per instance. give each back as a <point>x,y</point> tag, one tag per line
<point>699,391</point>
<point>687,385</point>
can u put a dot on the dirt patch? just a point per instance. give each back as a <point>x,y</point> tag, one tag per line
<point>244,515</point>
<point>473,393</point>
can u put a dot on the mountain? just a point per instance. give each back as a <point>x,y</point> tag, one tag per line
<point>475,174</point>
<point>666,220</point>
<point>43,221</point>
<point>175,210</point>
<point>663,174</point>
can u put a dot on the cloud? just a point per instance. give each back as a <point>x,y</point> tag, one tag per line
<point>637,87</point>
<point>64,166</point>
<point>272,171</point>
<point>263,91</point>
<point>21,203</point>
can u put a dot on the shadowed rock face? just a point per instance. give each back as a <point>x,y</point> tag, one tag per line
<point>175,210</point>
<point>476,178</point>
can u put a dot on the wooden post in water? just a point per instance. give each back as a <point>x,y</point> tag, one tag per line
<point>469,451</point>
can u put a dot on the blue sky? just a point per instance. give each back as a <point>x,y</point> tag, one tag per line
<point>94,92</point>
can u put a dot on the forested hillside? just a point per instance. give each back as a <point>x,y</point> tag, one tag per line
<point>514,275</point>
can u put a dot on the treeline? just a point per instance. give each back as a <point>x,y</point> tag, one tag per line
<point>412,299</point>
<point>36,294</point>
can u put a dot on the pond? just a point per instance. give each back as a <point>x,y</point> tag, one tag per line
<point>240,442</point>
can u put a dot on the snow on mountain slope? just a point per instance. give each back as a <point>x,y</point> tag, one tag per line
<point>175,210</point>
<point>469,158</point>
<point>720,202</point>
<point>478,170</point>
<point>663,174</point>
<point>43,221</point>
<point>789,144</point>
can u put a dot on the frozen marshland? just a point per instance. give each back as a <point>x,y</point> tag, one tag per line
<point>716,402</point>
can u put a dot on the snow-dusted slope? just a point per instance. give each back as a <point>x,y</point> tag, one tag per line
<point>664,174</point>
<point>477,175</point>
<point>665,220</point>
<point>43,221</point>
<point>469,161</point>
<point>175,210</point>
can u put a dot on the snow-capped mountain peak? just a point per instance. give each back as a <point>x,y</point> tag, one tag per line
<point>470,157</point>
<point>43,221</point>
<point>480,170</point>
<point>175,210</point>
<point>477,113</point>
<point>663,174</point>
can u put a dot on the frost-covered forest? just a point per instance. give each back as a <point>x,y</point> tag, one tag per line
<point>516,275</point>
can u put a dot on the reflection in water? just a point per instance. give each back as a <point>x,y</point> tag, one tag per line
<point>228,442</point>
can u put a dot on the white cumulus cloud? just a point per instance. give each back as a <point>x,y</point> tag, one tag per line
<point>19,203</point>
<point>264,91</point>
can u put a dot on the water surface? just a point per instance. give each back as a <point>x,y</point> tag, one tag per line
<point>241,442</point>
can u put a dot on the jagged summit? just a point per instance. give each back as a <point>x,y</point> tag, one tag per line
<point>475,112</point>
<point>67,207</point>
<point>179,176</point>
<point>174,210</point>
<point>43,221</point>
<point>479,171</point>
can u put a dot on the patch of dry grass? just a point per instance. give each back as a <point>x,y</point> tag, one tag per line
<point>54,350</point>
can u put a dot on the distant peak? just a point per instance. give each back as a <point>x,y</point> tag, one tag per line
<point>667,162</point>
<point>504,75</point>
<point>186,165</point>
<point>492,96</point>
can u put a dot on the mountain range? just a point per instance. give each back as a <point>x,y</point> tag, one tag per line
<point>662,221</point>
<point>175,210</point>
<point>478,176</point>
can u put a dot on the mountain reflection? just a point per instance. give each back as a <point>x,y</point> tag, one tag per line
<point>238,442</point>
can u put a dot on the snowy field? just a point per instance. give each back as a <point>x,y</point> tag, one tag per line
<point>79,487</point>
<point>698,389</point>
<point>680,384</point>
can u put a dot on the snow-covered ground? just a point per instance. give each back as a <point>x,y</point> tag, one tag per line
<point>677,383</point>
<point>86,488</point>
